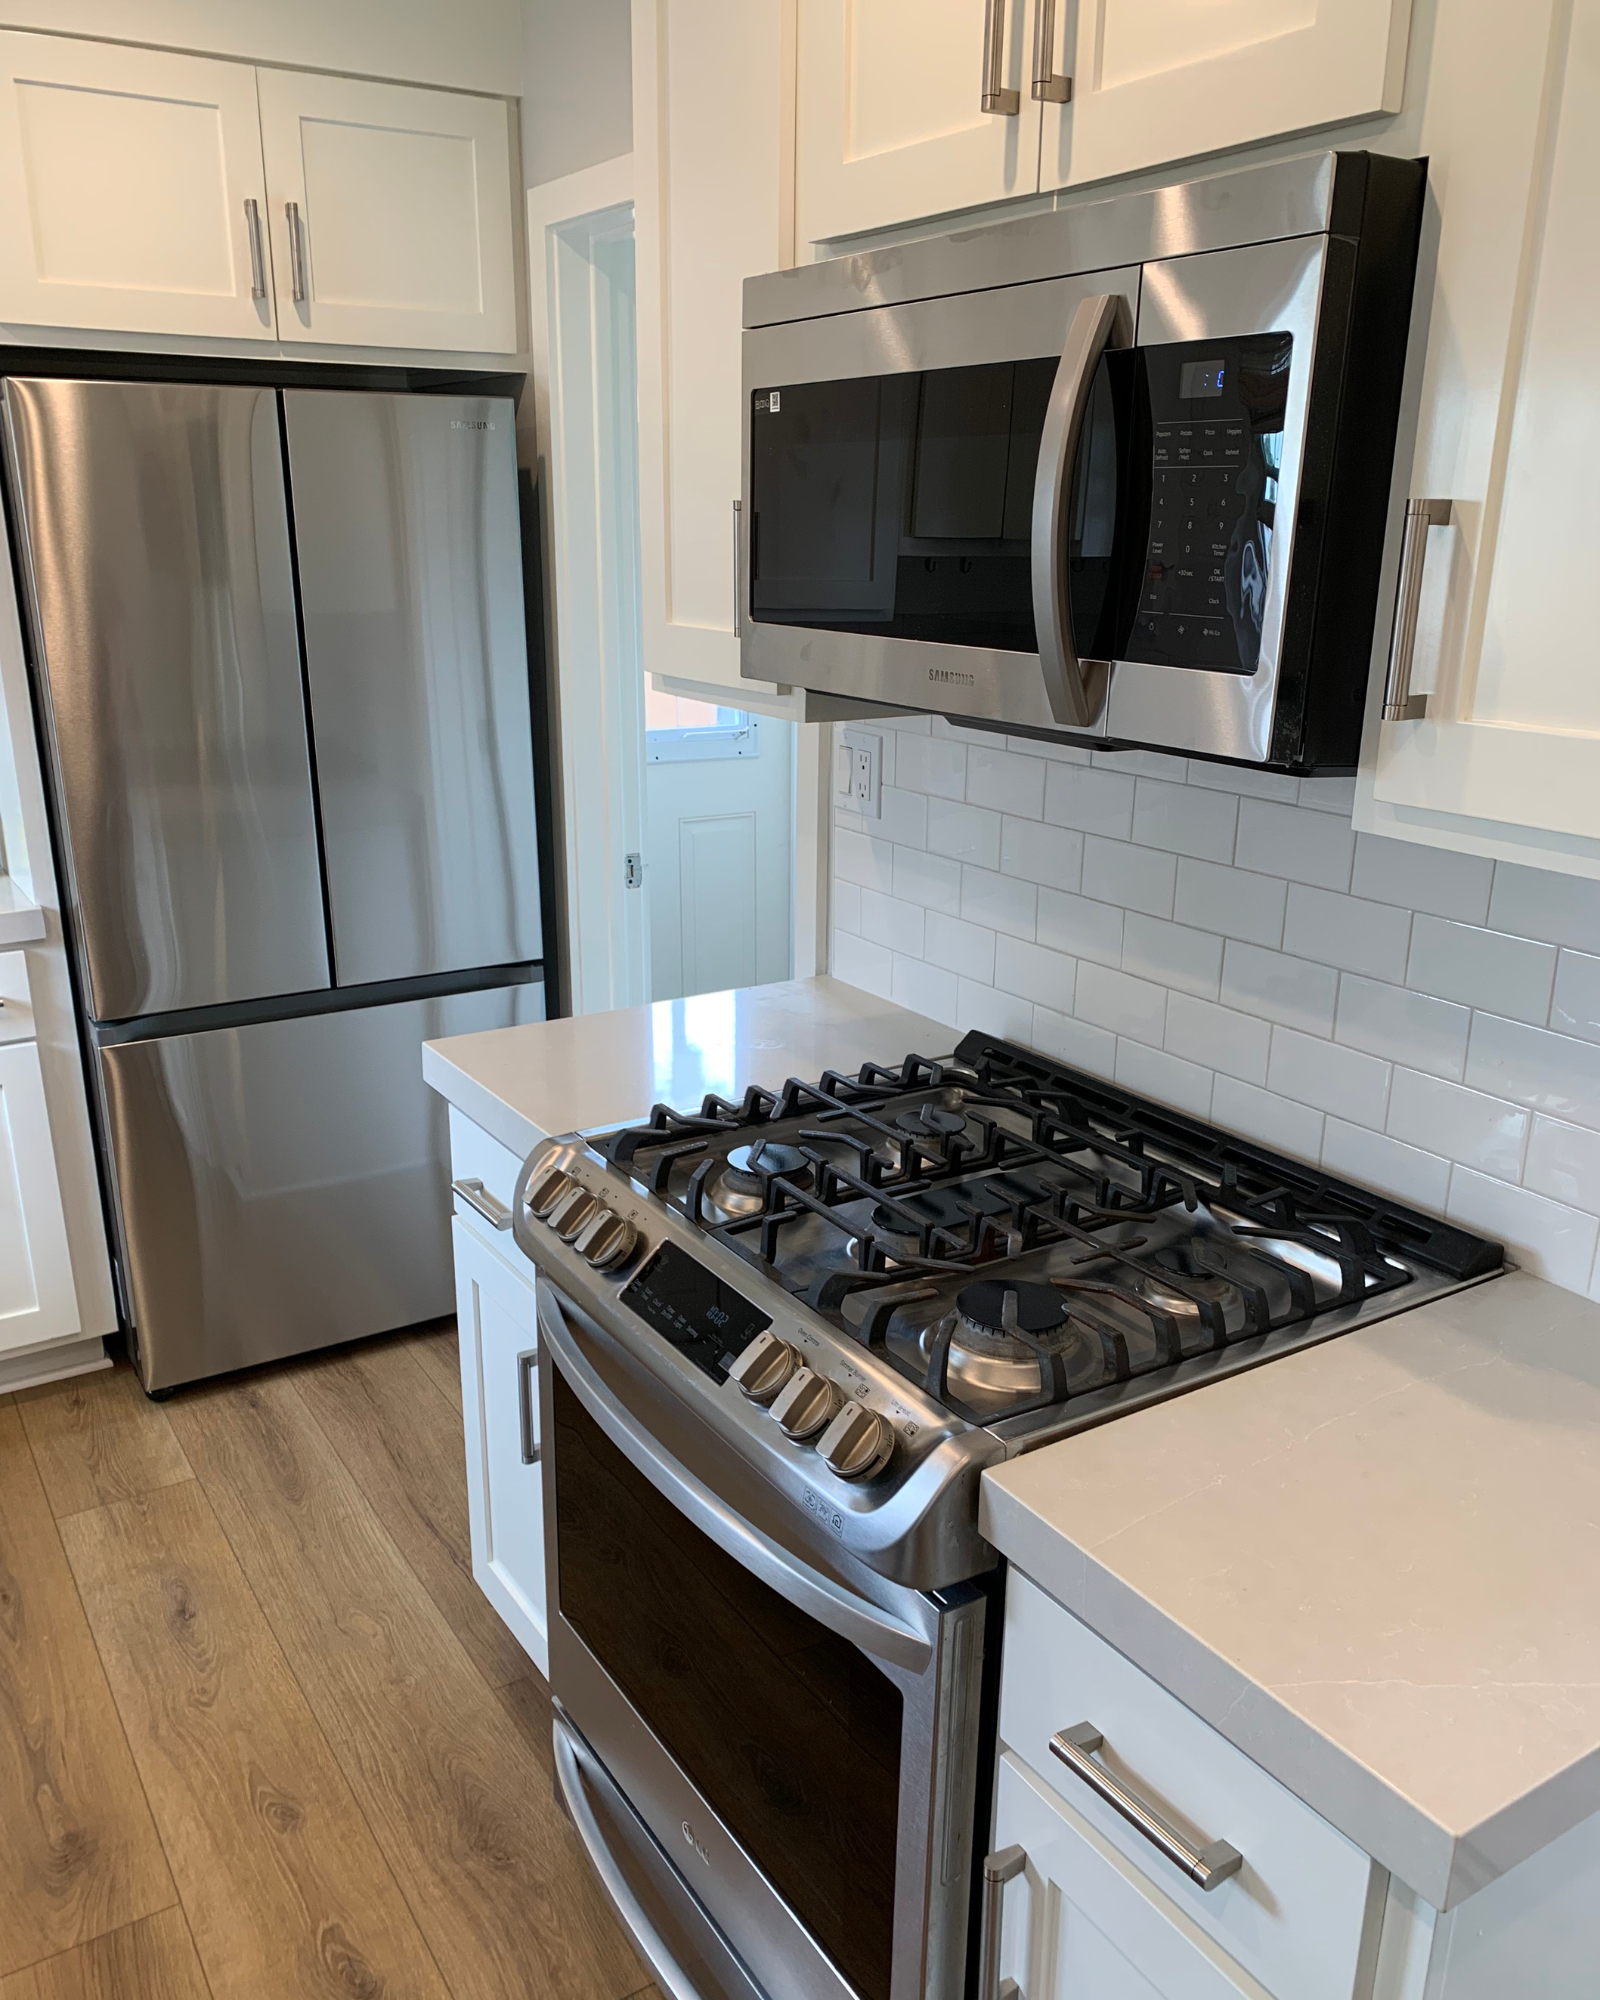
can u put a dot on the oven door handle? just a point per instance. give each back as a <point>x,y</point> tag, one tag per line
<point>853,1618</point>
<point>1075,689</point>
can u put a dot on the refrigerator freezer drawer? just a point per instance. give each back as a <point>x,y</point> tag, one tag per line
<point>156,544</point>
<point>284,1186</point>
<point>406,528</point>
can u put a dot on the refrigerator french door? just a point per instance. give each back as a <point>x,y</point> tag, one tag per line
<point>278,650</point>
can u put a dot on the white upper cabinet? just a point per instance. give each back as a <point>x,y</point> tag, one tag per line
<point>130,186</point>
<point>712,195</point>
<point>1157,80</point>
<point>909,110</point>
<point>1506,759</point>
<point>390,213</point>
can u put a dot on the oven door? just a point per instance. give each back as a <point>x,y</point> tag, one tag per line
<point>774,1771</point>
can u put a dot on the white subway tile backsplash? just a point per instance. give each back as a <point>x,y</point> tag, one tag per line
<point>1005,781</point>
<point>1168,1079</point>
<point>1576,1007</point>
<point>1423,1022</point>
<point>1290,990</point>
<point>1301,846</point>
<point>1374,1159</point>
<point>1124,1005</point>
<point>1231,901</point>
<point>1137,878</point>
<point>999,901</point>
<point>1422,878</point>
<point>960,947</point>
<point>1405,1027</point>
<point>1545,1237</point>
<point>1505,975</point>
<point>1085,928</point>
<point>1218,1037</point>
<point>1185,821</point>
<point>966,833</point>
<point>1186,959</point>
<point>1093,801</point>
<point>1329,1077</point>
<point>1036,852</point>
<point>933,880</point>
<point>1347,931</point>
<point>1465,1125</point>
<point>1032,972</point>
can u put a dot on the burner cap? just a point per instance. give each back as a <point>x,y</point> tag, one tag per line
<point>1040,1308</point>
<point>931,1118</point>
<point>1182,1293</point>
<point>764,1159</point>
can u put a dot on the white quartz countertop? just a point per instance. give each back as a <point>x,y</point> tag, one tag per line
<point>1373,1565</point>
<point>525,1084</point>
<point>21,920</point>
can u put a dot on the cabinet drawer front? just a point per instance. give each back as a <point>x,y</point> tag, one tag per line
<point>16,1002</point>
<point>475,1157</point>
<point>1301,1915</point>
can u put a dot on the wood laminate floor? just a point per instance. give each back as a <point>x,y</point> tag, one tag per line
<point>261,1737</point>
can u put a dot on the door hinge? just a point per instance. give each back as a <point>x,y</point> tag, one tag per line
<point>633,870</point>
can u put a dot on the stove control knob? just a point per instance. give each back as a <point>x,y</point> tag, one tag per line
<point>548,1189</point>
<point>606,1240</point>
<point>857,1443</point>
<point>804,1404</point>
<point>763,1368</point>
<point>573,1214</point>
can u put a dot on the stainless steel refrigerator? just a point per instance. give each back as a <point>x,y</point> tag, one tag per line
<point>279,652</point>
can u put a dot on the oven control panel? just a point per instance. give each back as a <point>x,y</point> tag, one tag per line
<point>851,1439</point>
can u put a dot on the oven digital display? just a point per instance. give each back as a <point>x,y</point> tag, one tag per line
<point>687,1304</point>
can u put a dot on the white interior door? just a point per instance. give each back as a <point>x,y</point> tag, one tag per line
<point>391,213</point>
<point>718,847</point>
<point>1157,80</point>
<point>892,122</point>
<point>1507,759</point>
<point>37,1299</point>
<point>128,178</point>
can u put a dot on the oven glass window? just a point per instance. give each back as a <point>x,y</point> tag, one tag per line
<point>900,505</point>
<point>791,1734</point>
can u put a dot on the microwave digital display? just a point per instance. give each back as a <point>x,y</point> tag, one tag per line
<point>1201,378</point>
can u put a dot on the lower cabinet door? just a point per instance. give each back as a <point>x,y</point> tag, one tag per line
<point>500,1407</point>
<point>1081,1922</point>
<point>38,1300</point>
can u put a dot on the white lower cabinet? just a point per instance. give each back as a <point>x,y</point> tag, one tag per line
<point>496,1312</point>
<point>38,1300</point>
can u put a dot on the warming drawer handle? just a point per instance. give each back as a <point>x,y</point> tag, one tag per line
<point>1399,703</point>
<point>1075,688</point>
<point>999,1869</point>
<point>995,95</point>
<point>1206,1866</point>
<point>478,1198</point>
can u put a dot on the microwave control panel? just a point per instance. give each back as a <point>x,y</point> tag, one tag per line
<point>1215,425</point>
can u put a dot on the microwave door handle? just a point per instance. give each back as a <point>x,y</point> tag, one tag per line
<point>1075,688</point>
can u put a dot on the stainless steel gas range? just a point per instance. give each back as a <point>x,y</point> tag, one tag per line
<point>780,1340</point>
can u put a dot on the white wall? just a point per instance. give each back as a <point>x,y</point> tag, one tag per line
<point>577,85</point>
<point>465,44</point>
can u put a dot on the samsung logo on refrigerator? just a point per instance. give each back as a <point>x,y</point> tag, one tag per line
<point>470,424</point>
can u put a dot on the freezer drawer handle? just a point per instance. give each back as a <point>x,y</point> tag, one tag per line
<point>1049,86</point>
<point>527,1361</point>
<point>1399,703</point>
<point>1205,1865</point>
<point>995,96</point>
<point>489,1206</point>
<point>258,261</point>
<point>297,252</point>
<point>999,1869</point>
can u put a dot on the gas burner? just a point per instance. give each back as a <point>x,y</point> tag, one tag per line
<point>741,1187</point>
<point>931,1121</point>
<point>993,1312</point>
<point>1183,1292</point>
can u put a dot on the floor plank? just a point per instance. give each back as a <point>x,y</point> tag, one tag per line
<point>151,1960</point>
<point>461,1807</point>
<point>98,1438</point>
<point>286,1893</point>
<point>527,1702</point>
<point>402,1441</point>
<point>439,1352</point>
<point>81,1855</point>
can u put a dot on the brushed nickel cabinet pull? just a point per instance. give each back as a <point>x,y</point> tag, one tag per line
<point>995,96</point>
<point>489,1206</point>
<point>1049,86</point>
<point>258,261</point>
<point>999,1869</point>
<point>299,289</point>
<point>1399,703</point>
<point>527,1361</point>
<point>1206,1866</point>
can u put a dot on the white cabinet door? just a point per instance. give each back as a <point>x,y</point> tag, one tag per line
<point>1082,1923</point>
<point>1157,80</point>
<point>127,180</point>
<point>891,122</point>
<point>391,214</point>
<point>710,203</point>
<point>499,1331</point>
<point>37,1298</point>
<point>1507,759</point>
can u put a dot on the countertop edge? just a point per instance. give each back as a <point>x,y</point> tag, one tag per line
<point>476,1101</point>
<point>24,924</point>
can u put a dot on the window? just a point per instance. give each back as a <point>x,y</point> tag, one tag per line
<point>679,730</point>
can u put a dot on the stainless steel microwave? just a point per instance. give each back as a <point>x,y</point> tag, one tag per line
<point>1118,472</point>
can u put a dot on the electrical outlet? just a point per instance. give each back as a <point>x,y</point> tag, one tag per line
<point>865,751</point>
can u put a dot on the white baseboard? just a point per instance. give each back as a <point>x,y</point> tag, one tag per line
<point>52,1364</point>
